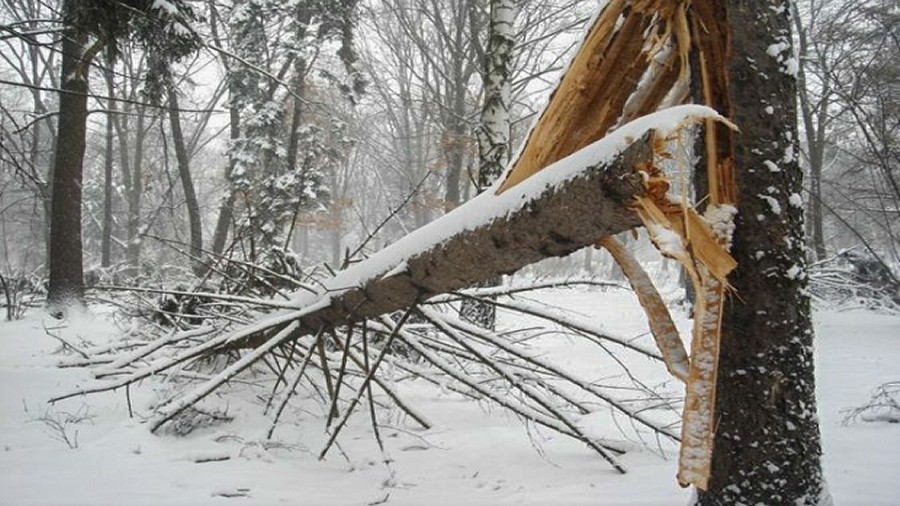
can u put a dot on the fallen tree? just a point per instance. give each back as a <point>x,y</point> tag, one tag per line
<point>567,190</point>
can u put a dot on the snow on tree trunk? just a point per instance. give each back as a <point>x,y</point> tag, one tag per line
<point>767,446</point>
<point>494,234</point>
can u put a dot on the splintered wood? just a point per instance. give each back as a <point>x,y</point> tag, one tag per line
<point>634,61</point>
<point>588,101</point>
<point>710,33</point>
<point>679,232</point>
<point>698,420</point>
<point>661,325</point>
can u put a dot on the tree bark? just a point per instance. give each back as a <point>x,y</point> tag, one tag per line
<point>187,184</point>
<point>66,285</point>
<point>494,134</point>
<point>600,197</point>
<point>767,446</point>
<point>226,210</point>
<point>112,110</point>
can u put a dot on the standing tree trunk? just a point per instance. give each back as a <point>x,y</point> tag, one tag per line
<point>111,106</point>
<point>133,250</point>
<point>815,118</point>
<point>767,446</point>
<point>226,210</point>
<point>494,133</point>
<point>454,140</point>
<point>66,285</point>
<point>187,184</point>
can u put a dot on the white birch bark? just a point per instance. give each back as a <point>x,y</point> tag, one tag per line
<point>494,134</point>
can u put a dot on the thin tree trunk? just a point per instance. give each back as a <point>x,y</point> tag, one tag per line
<point>121,125</point>
<point>187,184</point>
<point>767,447</point>
<point>44,187</point>
<point>454,141</point>
<point>112,108</point>
<point>226,210</point>
<point>299,85</point>
<point>494,134</point>
<point>814,130</point>
<point>133,253</point>
<point>453,155</point>
<point>66,285</point>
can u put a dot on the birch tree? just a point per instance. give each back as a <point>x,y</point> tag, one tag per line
<point>494,133</point>
<point>589,169</point>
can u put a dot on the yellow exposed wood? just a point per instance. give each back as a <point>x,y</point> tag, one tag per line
<point>704,245</point>
<point>664,331</point>
<point>698,420</point>
<point>663,76</point>
<point>711,43</point>
<point>708,264</point>
<point>705,257</point>
<point>591,95</point>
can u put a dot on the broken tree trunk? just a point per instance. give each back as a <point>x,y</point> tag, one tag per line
<point>587,103</point>
<point>767,447</point>
<point>566,207</point>
<point>600,196</point>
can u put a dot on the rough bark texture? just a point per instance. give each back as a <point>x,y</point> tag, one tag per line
<point>600,199</point>
<point>66,269</point>
<point>767,448</point>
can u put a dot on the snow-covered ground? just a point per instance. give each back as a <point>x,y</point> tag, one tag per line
<point>475,454</point>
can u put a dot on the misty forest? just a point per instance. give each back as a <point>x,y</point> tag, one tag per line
<point>429,252</point>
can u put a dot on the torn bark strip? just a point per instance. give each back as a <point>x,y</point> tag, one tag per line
<point>679,232</point>
<point>698,421</point>
<point>661,325</point>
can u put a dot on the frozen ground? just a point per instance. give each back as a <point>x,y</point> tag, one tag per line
<point>474,455</point>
